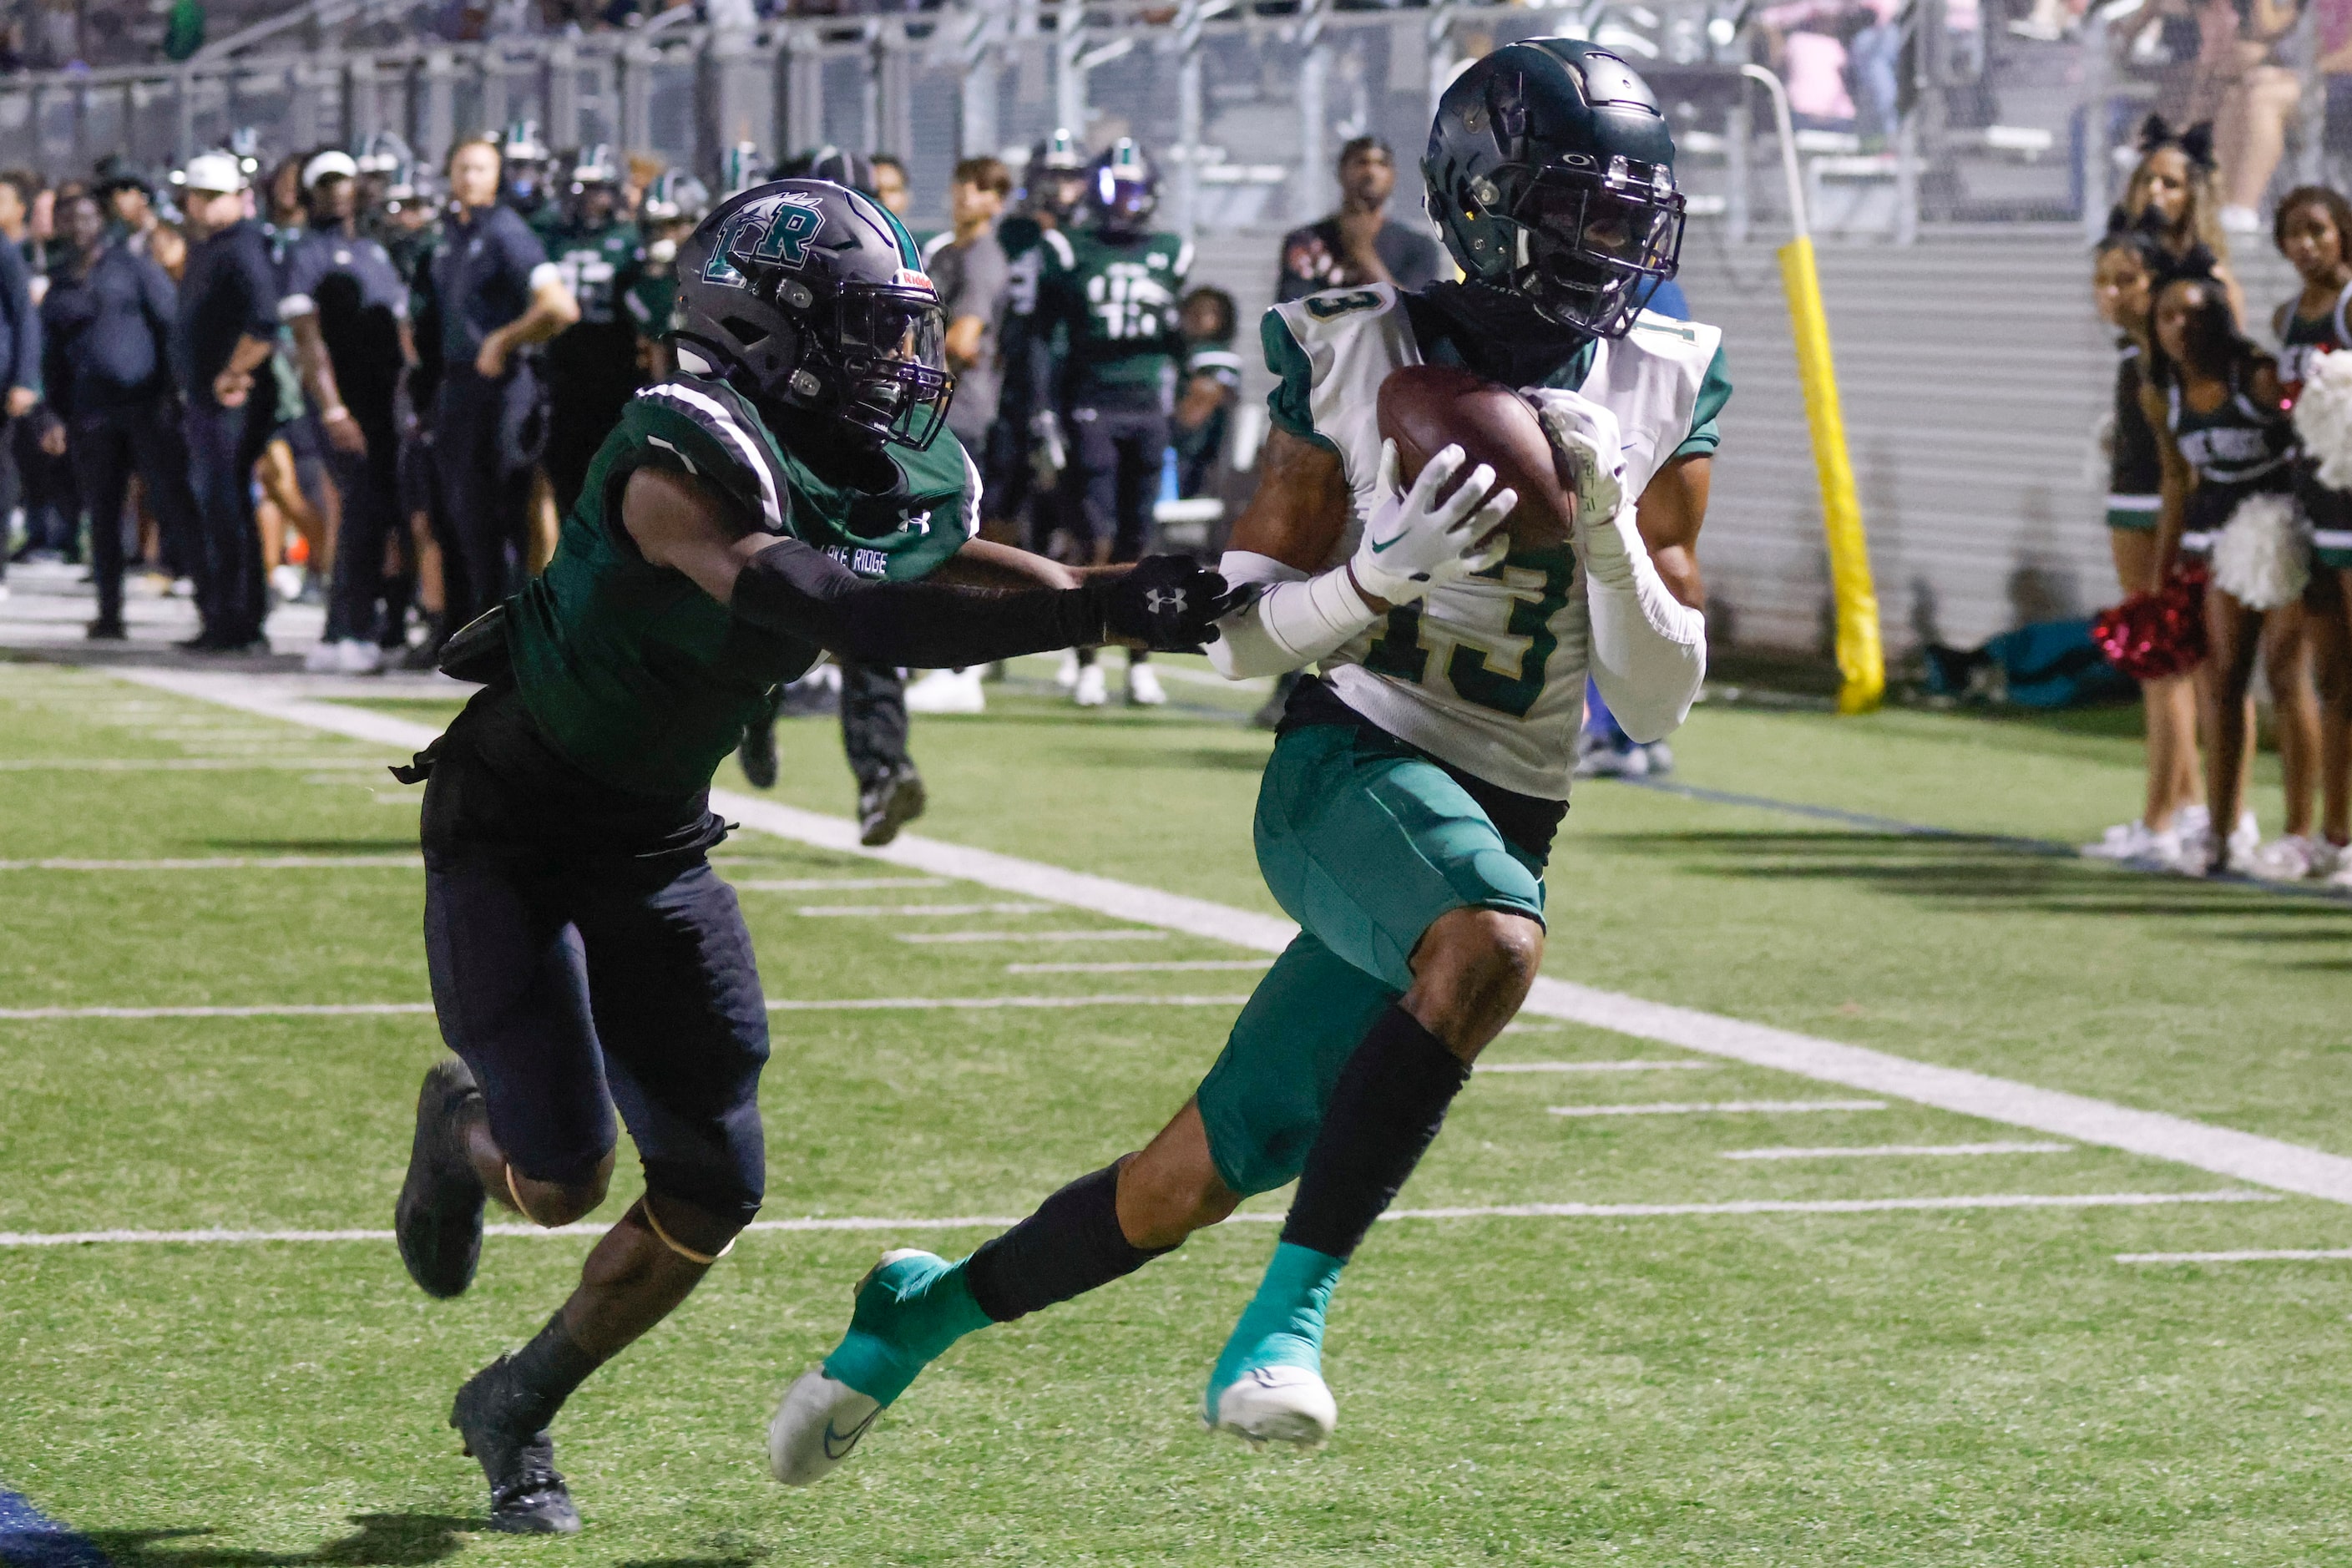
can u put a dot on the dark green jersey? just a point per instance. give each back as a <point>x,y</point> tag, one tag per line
<point>1108,307</point>
<point>637,676</point>
<point>599,266</point>
<point>651,300</point>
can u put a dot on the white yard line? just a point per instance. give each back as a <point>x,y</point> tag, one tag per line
<point>2223,1151</point>
<point>2276,1255</point>
<point>1496,1211</point>
<point>1719,1108</point>
<point>892,1004</point>
<point>1136,968</point>
<point>1597,1067</point>
<point>1880,1150</point>
<point>870,912</point>
<point>921,937</point>
<point>221,863</point>
<point>264,1010</point>
<point>172,764</point>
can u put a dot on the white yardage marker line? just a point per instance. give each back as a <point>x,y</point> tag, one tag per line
<point>1719,1108</point>
<point>2268,1254</point>
<point>222,863</point>
<point>922,937</point>
<point>776,1004</point>
<point>872,911</point>
<point>1138,967</point>
<point>1885,1151</point>
<point>2223,1151</point>
<point>1596,1067</point>
<point>994,1222</point>
<point>829,884</point>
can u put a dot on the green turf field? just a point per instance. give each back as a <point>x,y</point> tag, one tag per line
<point>1953,1387</point>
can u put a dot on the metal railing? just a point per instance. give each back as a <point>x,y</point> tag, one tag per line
<point>1245,100</point>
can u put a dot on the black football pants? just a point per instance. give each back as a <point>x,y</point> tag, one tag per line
<point>107,446</point>
<point>1116,459</point>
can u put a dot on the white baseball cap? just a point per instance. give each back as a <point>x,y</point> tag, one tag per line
<point>329,163</point>
<point>215,172</point>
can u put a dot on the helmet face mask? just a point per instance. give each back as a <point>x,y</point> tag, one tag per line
<point>1588,250</point>
<point>807,294</point>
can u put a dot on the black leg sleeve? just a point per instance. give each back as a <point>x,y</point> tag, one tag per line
<point>1387,1107</point>
<point>1070,1245</point>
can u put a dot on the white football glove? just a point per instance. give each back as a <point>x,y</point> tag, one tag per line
<point>1414,543</point>
<point>1586,435</point>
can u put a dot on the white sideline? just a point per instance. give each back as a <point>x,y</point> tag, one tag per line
<point>2223,1151</point>
<point>818,911</point>
<point>2271,1255</point>
<point>1719,1108</point>
<point>1495,1211</point>
<point>921,938</point>
<point>825,884</point>
<point>1135,968</point>
<point>1875,1150</point>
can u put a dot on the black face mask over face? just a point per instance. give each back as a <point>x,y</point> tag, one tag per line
<point>1503,336</point>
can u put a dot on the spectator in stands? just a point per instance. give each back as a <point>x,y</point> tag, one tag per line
<point>109,320</point>
<point>227,329</point>
<point>2255,90</point>
<point>968,267</point>
<point>1359,244</point>
<point>1807,45</point>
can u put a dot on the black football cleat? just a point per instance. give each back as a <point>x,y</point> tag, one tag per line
<point>888,804</point>
<point>504,1430</point>
<point>438,1220</point>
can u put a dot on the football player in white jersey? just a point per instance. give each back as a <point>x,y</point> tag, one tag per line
<point>1409,807</point>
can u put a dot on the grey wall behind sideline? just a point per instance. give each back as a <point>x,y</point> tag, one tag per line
<point>1972,372</point>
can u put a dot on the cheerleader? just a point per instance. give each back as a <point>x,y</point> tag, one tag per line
<point>2229,480</point>
<point>2171,198</point>
<point>2313,229</point>
<point>2124,272</point>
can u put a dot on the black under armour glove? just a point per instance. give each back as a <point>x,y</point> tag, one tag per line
<point>1168,603</point>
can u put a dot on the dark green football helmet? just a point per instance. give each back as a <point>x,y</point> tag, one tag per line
<point>1550,174</point>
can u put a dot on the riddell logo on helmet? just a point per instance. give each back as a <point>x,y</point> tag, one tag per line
<point>907,277</point>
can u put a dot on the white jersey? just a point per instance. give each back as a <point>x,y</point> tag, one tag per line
<point>1487,674</point>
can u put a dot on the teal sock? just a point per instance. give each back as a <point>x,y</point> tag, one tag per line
<point>1283,1324</point>
<point>907,1316</point>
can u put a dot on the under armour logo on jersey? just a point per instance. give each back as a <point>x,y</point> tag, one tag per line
<point>1164,601</point>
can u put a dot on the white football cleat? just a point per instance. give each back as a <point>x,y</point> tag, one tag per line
<point>948,691</point>
<point>817,1426</point>
<point>1091,691</point>
<point>357,656</point>
<point>1143,688</point>
<point>1280,1405</point>
<point>1066,675</point>
<point>322,657</point>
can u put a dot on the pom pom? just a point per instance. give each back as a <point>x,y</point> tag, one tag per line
<point>2322,418</point>
<point>2262,557</point>
<point>2151,635</point>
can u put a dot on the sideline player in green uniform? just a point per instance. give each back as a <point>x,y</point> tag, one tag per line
<point>592,365</point>
<point>1106,313</point>
<point>791,493</point>
<point>1409,805</point>
<point>674,205</point>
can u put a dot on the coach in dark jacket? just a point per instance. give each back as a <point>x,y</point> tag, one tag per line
<point>109,315</point>
<point>20,360</point>
<point>227,329</point>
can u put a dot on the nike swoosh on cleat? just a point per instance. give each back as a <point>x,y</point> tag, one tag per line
<point>847,1440</point>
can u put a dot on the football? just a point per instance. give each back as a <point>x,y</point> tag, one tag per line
<point>1424,408</point>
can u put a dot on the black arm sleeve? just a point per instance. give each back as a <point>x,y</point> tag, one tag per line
<point>795,591</point>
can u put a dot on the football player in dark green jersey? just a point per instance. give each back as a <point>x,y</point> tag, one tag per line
<point>1107,298</point>
<point>674,205</point>
<point>790,492</point>
<point>591,366</point>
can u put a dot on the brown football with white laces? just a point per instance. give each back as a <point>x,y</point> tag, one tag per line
<point>1424,408</point>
